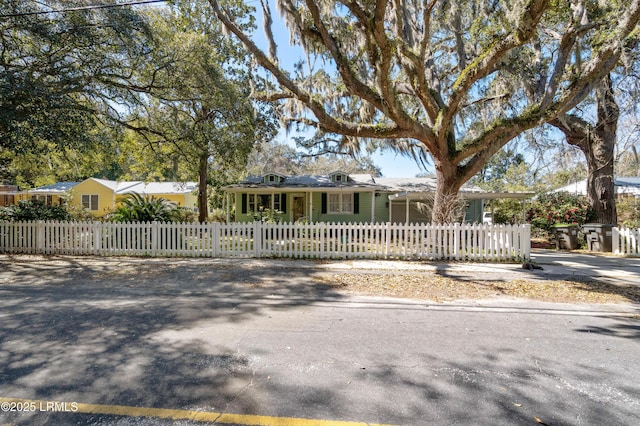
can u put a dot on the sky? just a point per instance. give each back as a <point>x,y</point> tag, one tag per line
<point>395,166</point>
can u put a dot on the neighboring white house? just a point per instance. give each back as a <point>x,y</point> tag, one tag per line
<point>624,186</point>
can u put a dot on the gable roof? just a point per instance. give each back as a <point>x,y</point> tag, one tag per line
<point>56,188</point>
<point>151,188</point>
<point>355,181</point>
<point>401,188</point>
<point>306,182</point>
<point>160,188</point>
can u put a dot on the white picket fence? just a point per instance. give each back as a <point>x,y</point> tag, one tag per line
<point>626,241</point>
<point>464,242</point>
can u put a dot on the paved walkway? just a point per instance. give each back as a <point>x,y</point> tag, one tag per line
<point>587,264</point>
<point>555,264</point>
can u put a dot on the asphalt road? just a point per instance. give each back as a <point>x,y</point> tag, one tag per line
<point>157,341</point>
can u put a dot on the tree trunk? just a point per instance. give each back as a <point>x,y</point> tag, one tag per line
<point>597,143</point>
<point>600,180</point>
<point>203,170</point>
<point>447,206</point>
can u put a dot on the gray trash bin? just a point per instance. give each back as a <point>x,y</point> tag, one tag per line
<point>566,237</point>
<point>598,236</point>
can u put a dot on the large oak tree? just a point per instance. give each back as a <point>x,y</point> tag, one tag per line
<point>63,73</point>
<point>197,110</point>
<point>439,73</point>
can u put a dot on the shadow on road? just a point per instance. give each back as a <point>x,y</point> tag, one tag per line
<point>92,329</point>
<point>182,333</point>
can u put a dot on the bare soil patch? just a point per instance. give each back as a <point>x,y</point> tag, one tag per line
<point>438,288</point>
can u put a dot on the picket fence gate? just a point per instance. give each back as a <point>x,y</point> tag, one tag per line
<point>463,242</point>
<point>625,241</point>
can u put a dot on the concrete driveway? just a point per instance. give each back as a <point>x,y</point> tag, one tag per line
<point>181,341</point>
<point>623,270</point>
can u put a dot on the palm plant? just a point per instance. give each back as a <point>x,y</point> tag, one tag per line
<point>145,208</point>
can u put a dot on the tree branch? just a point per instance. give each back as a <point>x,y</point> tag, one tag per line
<point>485,63</point>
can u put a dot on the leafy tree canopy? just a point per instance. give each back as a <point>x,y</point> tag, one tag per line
<point>447,76</point>
<point>198,113</point>
<point>57,71</point>
<point>281,158</point>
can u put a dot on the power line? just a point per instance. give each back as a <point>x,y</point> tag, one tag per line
<point>73,9</point>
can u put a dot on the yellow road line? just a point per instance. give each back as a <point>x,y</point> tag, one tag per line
<point>165,413</point>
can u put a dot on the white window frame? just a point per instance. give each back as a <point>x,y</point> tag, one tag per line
<point>276,202</point>
<point>340,203</point>
<point>339,177</point>
<point>90,201</point>
<point>272,178</point>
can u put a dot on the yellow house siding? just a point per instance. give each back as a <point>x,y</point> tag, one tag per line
<point>25,196</point>
<point>178,199</point>
<point>181,200</point>
<point>106,196</point>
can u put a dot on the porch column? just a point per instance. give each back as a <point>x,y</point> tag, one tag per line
<point>373,207</point>
<point>228,207</point>
<point>390,206</point>
<point>310,195</point>
<point>406,220</point>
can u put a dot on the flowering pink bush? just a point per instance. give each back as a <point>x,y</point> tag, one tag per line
<point>559,208</point>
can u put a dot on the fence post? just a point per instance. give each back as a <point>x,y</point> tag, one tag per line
<point>97,238</point>
<point>615,240</point>
<point>154,238</point>
<point>456,240</point>
<point>387,240</point>
<point>216,244</point>
<point>257,238</point>
<point>39,237</point>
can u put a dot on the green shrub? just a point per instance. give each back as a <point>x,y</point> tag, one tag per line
<point>220,215</point>
<point>559,208</point>
<point>628,212</point>
<point>269,216</point>
<point>184,215</point>
<point>27,210</point>
<point>507,211</point>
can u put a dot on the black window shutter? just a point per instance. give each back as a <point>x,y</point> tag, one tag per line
<point>283,202</point>
<point>244,203</point>
<point>356,202</point>
<point>323,196</point>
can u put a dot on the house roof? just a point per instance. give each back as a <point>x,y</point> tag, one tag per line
<point>627,185</point>
<point>364,181</point>
<point>118,187</point>
<point>56,188</point>
<point>160,188</point>
<point>402,188</point>
<point>417,188</point>
<point>354,181</point>
<point>53,189</point>
<point>140,187</point>
<point>623,185</point>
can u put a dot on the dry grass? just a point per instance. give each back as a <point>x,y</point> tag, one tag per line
<point>434,287</point>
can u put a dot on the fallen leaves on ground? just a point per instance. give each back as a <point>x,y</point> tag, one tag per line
<point>432,286</point>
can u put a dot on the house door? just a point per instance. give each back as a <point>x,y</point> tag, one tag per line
<point>298,207</point>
